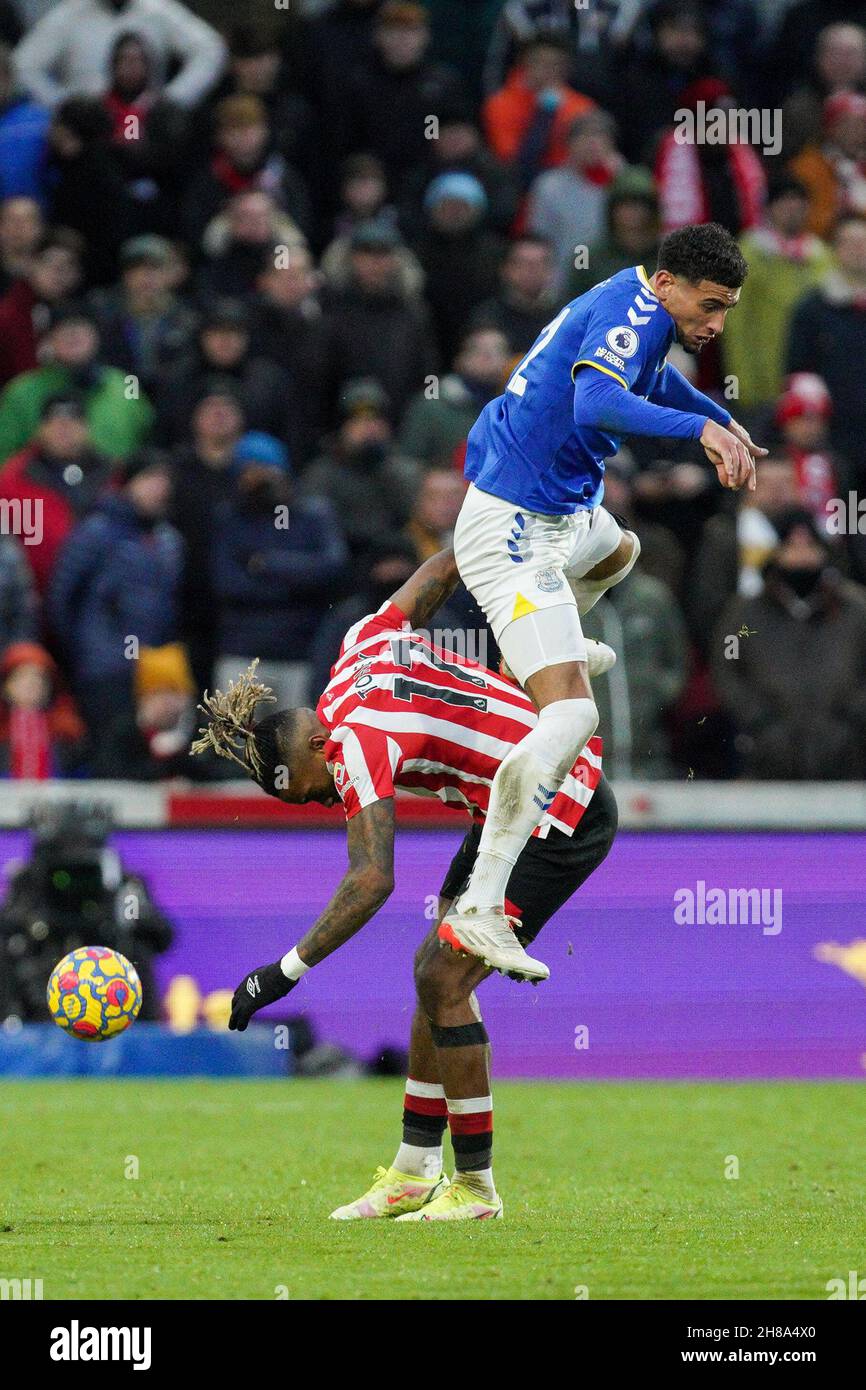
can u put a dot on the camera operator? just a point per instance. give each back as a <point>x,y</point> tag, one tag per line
<point>74,891</point>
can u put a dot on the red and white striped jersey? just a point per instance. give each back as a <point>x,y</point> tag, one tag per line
<point>405,716</point>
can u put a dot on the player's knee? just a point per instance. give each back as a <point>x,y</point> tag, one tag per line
<point>439,984</point>
<point>569,725</point>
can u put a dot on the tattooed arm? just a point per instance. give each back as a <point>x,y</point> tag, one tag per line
<point>430,585</point>
<point>365,886</point>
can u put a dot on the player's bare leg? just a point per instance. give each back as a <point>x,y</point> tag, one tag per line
<point>446,982</point>
<point>590,587</point>
<point>415,1178</point>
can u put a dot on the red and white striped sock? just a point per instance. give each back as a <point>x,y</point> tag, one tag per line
<point>471,1124</point>
<point>424,1119</point>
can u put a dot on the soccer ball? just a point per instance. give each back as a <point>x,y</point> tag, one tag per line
<point>94,993</point>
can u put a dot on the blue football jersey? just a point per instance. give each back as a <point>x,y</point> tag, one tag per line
<point>525,446</point>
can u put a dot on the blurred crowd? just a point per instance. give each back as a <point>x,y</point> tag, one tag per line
<point>258,279</point>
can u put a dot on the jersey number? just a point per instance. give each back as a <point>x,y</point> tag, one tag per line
<point>404,689</point>
<point>518,383</point>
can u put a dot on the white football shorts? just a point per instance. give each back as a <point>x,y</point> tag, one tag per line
<point>516,562</point>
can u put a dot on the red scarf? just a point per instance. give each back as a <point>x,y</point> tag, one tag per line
<point>230,176</point>
<point>816,480</point>
<point>681,187</point>
<point>29,745</point>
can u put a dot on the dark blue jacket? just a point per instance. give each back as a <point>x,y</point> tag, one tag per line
<point>273,585</point>
<point>116,577</point>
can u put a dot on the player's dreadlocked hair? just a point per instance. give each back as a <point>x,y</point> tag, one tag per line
<point>704,252</point>
<point>231,733</point>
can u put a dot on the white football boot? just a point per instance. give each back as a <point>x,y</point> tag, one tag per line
<point>459,1202</point>
<point>599,657</point>
<point>392,1194</point>
<point>489,934</point>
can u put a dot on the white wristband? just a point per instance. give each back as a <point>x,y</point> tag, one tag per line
<point>292,966</point>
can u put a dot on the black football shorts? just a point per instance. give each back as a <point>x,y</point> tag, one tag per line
<point>549,870</point>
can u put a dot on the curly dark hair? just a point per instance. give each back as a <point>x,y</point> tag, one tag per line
<point>703,252</point>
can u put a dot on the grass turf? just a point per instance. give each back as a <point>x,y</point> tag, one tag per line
<point>620,1188</point>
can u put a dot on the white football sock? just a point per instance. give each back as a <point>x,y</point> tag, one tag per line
<point>416,1162</point>
<point>480,1180</point>
<point>524,786</point>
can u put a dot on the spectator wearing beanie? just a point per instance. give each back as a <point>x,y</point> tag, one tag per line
<point>119,419</point>
<point>372,327</point>
<point>150,742</point>
<point>630,236</point>
<point>460,149</point>
<point>117,578</point>
<point>700,182</point>
<point>57,480</point>
<point>389,100</point>
<point>243,161</point>
<point>808,618</point>
<point>223,348</point>
<point>278,561</point>
<point>460,257</point>
<point>364,194</point>
<point>41,734</point>
<point>803,414</point>
<point>143,326</point>
<point>370,485</point>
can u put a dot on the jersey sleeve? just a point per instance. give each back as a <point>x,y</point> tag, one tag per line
<point>364,763</point>
<point>620,338</point>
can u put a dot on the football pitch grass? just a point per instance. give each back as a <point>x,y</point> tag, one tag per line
<point>616,1188</point>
